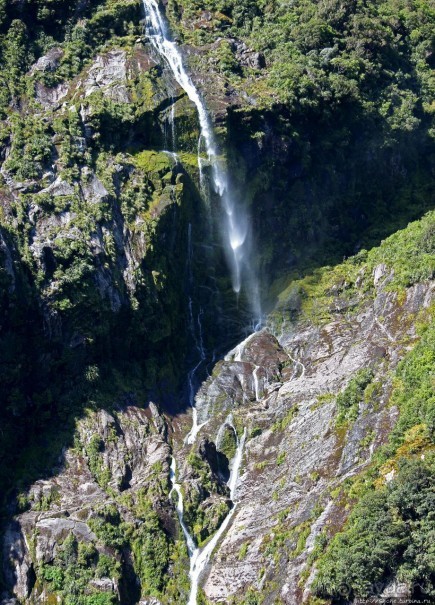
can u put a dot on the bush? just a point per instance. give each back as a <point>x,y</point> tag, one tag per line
<point>388,534</point>
<point>348,400</point>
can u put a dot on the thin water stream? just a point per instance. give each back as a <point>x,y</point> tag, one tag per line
<point>199,557</point>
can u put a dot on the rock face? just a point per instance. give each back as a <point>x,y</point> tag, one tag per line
<point>115,453</point>
<point>282,388</point>
<point>257,366</point>
<point>296,456</point>
<point>108,292</point>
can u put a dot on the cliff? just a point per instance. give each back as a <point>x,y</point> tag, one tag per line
<point>117,311</point>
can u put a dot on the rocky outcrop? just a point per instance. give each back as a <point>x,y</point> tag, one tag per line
<point>116,456</point>
<point>297,456</point>
<point>257,367</point>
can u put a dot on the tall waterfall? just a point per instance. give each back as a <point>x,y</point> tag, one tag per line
<point>236,237</point>
<point>236,227</point>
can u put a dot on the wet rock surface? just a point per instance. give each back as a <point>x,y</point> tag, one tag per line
<point>297,456</point>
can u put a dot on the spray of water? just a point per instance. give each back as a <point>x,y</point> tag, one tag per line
<point>236,224</point>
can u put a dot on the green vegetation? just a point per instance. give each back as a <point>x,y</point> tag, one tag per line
<point>108,528</point>
<point>280,458</point>
<point>243,551</point>
<point>74,568</point>
<point>228,445</point>
<point>332,136</point>
<point>404,254</point>
<point>93,450</point>
<point>290,540</point>
<point>390,531</point>
<point>151,553</point>
<point>348,401</point>
<point>325,56</point>
<point>414,389</point>
<point>281,425</point>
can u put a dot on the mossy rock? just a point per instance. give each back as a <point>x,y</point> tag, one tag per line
<point>228,444</point>
<point>152,161</point>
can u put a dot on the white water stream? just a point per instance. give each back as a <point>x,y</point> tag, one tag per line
<point>200,557</point>
<point>176,487</point>
<point>236,228</point>
<point>235,232</point>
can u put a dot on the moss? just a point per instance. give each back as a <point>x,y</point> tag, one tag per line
<point>280,458</point>
<point>228,444</point>
<point>243,551</point>
<point>281,425</point>
<point>152,162</point>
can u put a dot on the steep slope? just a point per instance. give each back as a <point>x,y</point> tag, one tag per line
<point>98,223</point>
<point>116,302</point>
<point>319,398</point>
<point>318,391</point>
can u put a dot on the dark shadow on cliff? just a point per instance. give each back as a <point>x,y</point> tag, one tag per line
<point>323,184</point>
<point>60,357</point>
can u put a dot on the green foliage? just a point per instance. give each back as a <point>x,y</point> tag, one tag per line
<point>280,458</point>
<point>227,63</point>
<point>348,401</point>
<point>243,551</point>
<point>54,575</point>
<point>414,391</point>
<point>99,470</point>
<point>228,444</point>
<point>281,425</point>
<point>31,147</point>
<point>253,597</point>
<point>108,528</point>
<point>389,532</point>
<point>204,521</point>
<point>151,552</point>
<point>75,565</point>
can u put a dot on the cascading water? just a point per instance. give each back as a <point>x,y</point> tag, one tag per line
<point>200,558</point>
<point>236,236</point>
<point>236,230</point>
<point>176,487</point>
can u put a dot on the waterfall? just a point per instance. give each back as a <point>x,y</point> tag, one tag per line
<point>176,487</point>
<point>236,237</point>
<point>236,227</point>
<point>256,383</point>
<point>200,558</point>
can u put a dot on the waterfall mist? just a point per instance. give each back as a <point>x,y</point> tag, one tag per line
<point>235,224</point>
